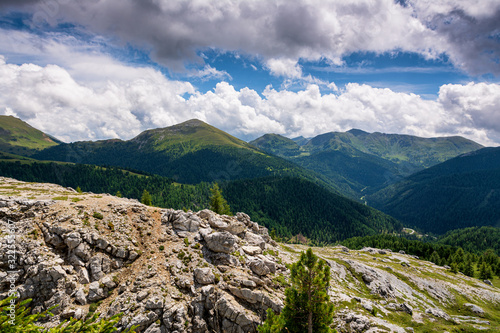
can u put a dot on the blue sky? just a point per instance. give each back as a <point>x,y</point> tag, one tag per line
<point>86,70</point>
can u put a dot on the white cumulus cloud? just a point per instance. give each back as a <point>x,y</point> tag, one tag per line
<point>51,99</point>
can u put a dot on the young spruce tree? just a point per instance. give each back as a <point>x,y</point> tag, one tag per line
<point>307,304</point>
<point>218,204</point>
<point>146,198</point>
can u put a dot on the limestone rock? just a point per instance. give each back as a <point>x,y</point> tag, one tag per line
<point>259,267</point>
<point>438,313</point>
<point>221,242</point>
<point>252,250</point>
<point>255,240</point>
<point>96,293</point>
<point>204,275</point>
<point>474,308</point>
<point>154,303</point>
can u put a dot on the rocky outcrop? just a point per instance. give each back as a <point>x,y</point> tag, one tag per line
<point>173,271</point>
<point>165,270</point>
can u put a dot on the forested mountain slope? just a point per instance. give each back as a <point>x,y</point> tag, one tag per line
<point>462,192</point>
<point>190,152</point>
<point>360,162</point>
<point>292,206</point>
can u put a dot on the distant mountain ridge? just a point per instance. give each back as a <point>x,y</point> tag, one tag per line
<point>360,161</point>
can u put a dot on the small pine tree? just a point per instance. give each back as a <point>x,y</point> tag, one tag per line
<point>218,204</point>
<point>497,269</point>
<point>119,194</point>
<point>468,269</point>
<point>78,189</point>
<point>307,304</point>
<point>454,267</point>
<point>435,258</point>
<point>485,272</point>
<point>146,198</point>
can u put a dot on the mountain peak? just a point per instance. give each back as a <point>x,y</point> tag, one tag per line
<point>357,132</point>
<point>192,122</point>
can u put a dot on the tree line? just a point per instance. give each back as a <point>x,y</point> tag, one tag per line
<point>483,266</point>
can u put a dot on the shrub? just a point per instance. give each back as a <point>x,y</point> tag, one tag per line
<point>98,216</point>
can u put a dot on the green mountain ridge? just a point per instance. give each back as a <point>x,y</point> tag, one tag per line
<point>190,136</point>
<point>18,137</point>
<point>190,152</point>
<point>461,192</point>
<point>361,163</point>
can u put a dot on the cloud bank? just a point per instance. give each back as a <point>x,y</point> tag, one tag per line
<point>280,31</point>
<point>51,99</point>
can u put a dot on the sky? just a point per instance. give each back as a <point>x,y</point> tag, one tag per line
<point>101,69</point>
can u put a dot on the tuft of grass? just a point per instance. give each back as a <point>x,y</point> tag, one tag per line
<point>98,216</point>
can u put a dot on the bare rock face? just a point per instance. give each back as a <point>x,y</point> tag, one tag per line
<point>168,270</point>
<point>223,242</point>
<point>259,267</point>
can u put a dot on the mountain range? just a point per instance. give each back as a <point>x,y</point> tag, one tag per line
<point>361,162</point>
<point>190,152</point>
<point>404,176</point>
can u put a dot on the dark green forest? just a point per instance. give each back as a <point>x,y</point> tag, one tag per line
<point>460,193</point>
<point>292,206</point>
<point>474,239</point>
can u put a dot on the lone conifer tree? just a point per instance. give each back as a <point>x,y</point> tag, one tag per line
<point>217,203</point>
<point>307,304</point>
<point>146,198</point>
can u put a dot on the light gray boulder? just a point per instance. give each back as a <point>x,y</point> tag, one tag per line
<point>221,242</point>
<point>258,266</point>
<point>96,293</point>
<point>204,275</point>
<point>255,240</point>
<point>474,308</point>
<point>438,313</point>
<point>252,250</point>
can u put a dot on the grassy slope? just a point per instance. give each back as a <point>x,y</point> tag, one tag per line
<point>188,137</point>
<point>17,137</point>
